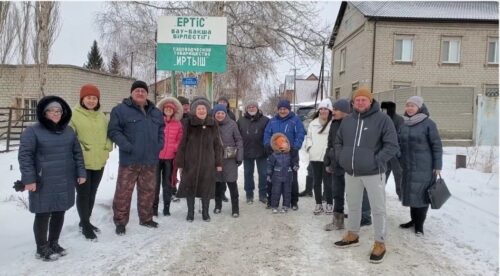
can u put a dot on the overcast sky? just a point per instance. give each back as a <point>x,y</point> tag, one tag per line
<point>78,31</point>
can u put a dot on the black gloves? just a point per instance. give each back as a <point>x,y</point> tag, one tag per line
<point>18,186</point>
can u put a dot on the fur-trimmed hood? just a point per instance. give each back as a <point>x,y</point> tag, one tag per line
<point>273,142</point>
<point>65,117</point>
<point>178,112</point>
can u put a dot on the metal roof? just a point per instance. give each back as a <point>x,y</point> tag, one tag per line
<point>441,10</point>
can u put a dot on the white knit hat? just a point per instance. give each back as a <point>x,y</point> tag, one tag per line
<point>417,100</point>
<point>326,103</point>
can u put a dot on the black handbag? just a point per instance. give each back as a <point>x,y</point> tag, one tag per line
<point>230,152</point>
<point>438,192</point>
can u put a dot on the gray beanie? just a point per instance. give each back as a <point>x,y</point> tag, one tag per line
<point>53,104</point>
<point>251,103</point>
<point>417,100</point>
<point>342,105</point>
<point>197,101</point>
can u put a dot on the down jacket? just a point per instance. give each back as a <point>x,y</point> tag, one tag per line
<point>198,156</point>
<point>280,163</point>
<point>173,129</point>
<point>317,143</point>
<point>50,156</point>
<point>230,136</point>
<point>138,134</point>
<point>91,128</point>
<point>290,125</point>
<point>365,142</point>
<point>421,153</point>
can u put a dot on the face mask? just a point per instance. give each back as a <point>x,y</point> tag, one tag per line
<point>252,113</point>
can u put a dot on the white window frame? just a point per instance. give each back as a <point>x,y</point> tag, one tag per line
<point>343,56</point>
<point>407,43</point>
<point>495,53</point>
<point>448,59</point>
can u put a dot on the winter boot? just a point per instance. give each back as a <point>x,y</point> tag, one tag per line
<point>166,210</point>
<point>56,248</point>
<point>330,226</point>
<point>88,232</point>
<point>349,240</point>
<point>205,203</point>
<point>338,219</point>
<point>378,253</point>
<point>46,253</point>
<point>235,206</point>
<point>149,224</point>
<point>190,204</point>
<point>407,225</point>
<point>120,230</point>
<point>309,187</point>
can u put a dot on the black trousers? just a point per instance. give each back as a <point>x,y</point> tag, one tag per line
<point>233,191</point>
<point>48,222</point>
<point>163,179</point>
<point>85,194</point>
<point>394,166</point>
<point>338,193</point>
<point>320,176</point>
<point>418,216</point>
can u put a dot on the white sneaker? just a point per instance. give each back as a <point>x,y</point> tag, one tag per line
<point>275,211</point>
<point>329,209</point>
<point>319,209</point>
<point>284,210</point>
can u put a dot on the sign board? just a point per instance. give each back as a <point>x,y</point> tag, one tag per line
<point>192,43</point>
<point>189,81</point>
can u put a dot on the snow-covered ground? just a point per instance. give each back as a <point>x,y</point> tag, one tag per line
<point>460,239</point>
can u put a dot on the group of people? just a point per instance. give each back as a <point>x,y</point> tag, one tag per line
<point>349,154</point>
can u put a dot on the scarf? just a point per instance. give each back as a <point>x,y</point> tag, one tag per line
<point>415,119</point>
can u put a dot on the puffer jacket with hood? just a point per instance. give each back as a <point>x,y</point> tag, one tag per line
<point>365,142</point>
<point>173,129</point>
<point>50,156</point>
<point>280,163</point>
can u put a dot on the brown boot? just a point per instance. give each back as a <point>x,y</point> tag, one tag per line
<point>338,219</point>
<point>330,226</point>
<point>350,239</point>
<point>378,253</point>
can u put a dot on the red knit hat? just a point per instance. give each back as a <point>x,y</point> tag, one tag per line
<point>171,105</point>
<point>89,90</point>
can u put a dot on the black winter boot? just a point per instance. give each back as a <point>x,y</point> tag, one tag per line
<point>56,248</point>
<point>88,232</point>
<point>46,253</point>
<point>309,187</point>
<point>166,210</point>
<point>205,203</point>
<point>190,205</point>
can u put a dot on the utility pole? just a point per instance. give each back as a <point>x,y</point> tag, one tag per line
<point>131,63</point>
<point>294,84</point>
<point>156,81</point>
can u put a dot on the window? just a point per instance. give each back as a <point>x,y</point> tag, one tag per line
<point>491,90</point>
<point>337,93</point>
<point>355,86</point>
<point>400,84</point>
<point>493,50</point>
<point>29,109</point>
<point>403,49</point>
<point>450,50</point>
<point>342,60</point>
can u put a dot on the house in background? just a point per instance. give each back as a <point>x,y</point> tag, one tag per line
<point>446,52</point>
<point>306,88</point>
<point>390,45</point>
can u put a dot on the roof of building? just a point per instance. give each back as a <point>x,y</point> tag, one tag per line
<point>444,11</point>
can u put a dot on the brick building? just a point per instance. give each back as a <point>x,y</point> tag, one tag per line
<point>391,45</point>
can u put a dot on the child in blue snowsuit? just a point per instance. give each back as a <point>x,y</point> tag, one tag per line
<point>280,166</point>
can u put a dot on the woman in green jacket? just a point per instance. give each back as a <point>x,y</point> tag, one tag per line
<point>91,126</point>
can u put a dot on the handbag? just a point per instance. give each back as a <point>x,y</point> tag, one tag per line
<point>438,192</point>
<point>230,152</point>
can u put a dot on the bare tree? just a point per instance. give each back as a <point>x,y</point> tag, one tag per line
<point>47,28</point>
<point>258,34</point>
<point>24,30</point>
<point>8,16</point>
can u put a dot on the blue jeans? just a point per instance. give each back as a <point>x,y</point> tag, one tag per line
<point>248,167</point>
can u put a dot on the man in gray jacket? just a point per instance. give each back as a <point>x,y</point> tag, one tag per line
<point>365,142</point>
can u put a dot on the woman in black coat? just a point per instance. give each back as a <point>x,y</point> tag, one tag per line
<point>198,158</point>
<point>421,160</point>
<point>51,164</point>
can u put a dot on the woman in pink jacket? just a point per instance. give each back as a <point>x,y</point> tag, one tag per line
<point>172,114</point>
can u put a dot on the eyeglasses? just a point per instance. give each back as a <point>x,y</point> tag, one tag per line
<point>55,112</point>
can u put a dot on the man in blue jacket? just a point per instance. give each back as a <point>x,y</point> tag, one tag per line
<point>136,126</point>
<point>286,122</point>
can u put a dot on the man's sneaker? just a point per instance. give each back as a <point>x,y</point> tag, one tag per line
<point>365,222</point>
<point>306,193</point>
<point>349,240</point>
<point>120,230</point>
<point>275,210</point>
<point>378,253</point>
<point>318,209</point>
<point>235,215</point>
<point>46,253</point>
<point>407,225</point>
<point>268,205</point>
<point>263,200</point>
<point>419,234</point>
<point>249,201</point>
<point>295,207</point>
<point>149,224</point>
<point>284,210</point>
<point>329,209</point>
<point>56,248</point>
<point>216,211</point>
